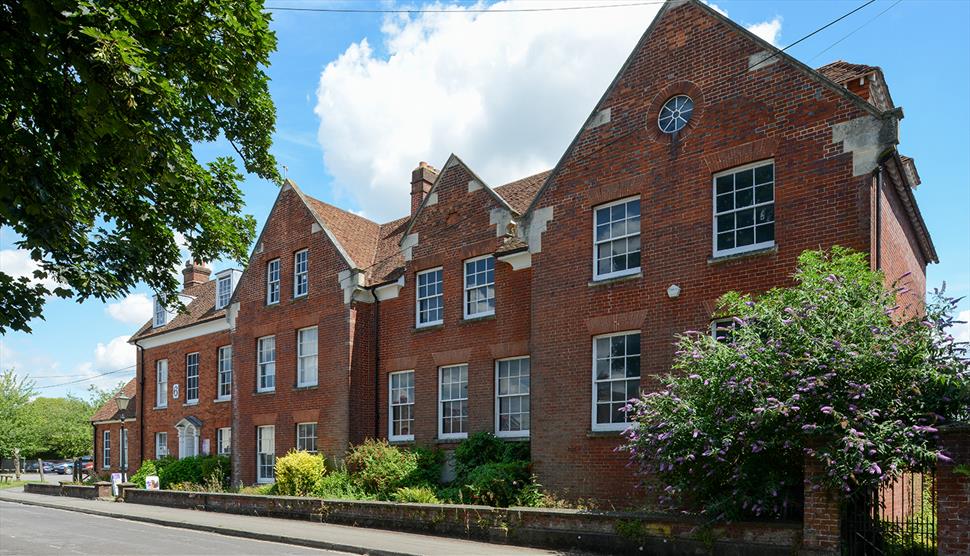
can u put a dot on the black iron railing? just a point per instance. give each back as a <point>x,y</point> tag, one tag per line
<point>897,518</point>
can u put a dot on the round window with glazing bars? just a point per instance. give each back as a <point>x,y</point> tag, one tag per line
<point>675,113</point>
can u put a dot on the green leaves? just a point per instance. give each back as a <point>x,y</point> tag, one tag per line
<point>100,104</point>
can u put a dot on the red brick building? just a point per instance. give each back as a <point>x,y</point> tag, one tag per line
<point>537,308</point>
<point>113,446</point>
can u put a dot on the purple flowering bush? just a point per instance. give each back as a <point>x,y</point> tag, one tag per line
<point>828,368</point>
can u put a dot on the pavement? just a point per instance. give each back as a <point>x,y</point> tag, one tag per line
<point>34,530</point>
<point>326,536</point>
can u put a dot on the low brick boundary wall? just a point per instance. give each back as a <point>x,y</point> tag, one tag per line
<point>43,488</point>
<point>90,492</point>
<point>612,532</point>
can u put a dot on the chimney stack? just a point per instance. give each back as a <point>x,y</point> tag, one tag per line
<point>421,180</point>
<point>195,273</point>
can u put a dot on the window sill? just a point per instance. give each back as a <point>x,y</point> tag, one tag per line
<point>473,320</point>
<point>221,400</point>
<point>196,402</point>
<point>264,392</point>
<point>605,433</point>
<point>514,438</point>
<point>615,280</point>
<point>158,407</point>
<point>735,256</point>
<point>401,441</point>
<point>450,440</point>
<point>429,327</point>
<point>306,387</point>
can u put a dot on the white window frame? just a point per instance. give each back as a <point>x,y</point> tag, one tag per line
<point>189,400</point>
<point>596,426</point>
<point>262,450</point>
<point>722,323</point>
<point>305,375</point>
<point>391,404</point>
<point>302,437</point>
<point>418,298</point>
<point>714,213</point>
<point>161,444</point>
<point>224,373</point>
<point>159,312</point>
<point>441,403</point>
<point>524,433</point>
<point>273,282</point>
<point>301,277</point>
<point>263,365</point>
<point>106,449</point>
<point>224,438</point>
<point>161,383</point>
<point>619,273</point>
<point>223,291</point>
<point>467,290</point>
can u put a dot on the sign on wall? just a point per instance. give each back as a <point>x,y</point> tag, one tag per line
<point>151,482</point>
<point>175,391</point>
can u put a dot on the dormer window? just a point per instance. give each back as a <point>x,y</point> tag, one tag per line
<point>223,291</point>
<point>160,313</point>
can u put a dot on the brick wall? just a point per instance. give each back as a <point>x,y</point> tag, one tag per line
<point>774,112</point>
<point>953,493</point>
<point>290,228</point>
<point>900,257</point>
<point>454,229</point>
<point>214,414</point>
<point>134,451</point>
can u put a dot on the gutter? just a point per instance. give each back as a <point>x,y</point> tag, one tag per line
<point>377,365</point>
<point>141,400</point>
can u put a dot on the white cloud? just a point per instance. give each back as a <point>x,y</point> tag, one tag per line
<point>135,308</point>
<point>506,92</point>
<point>716,8</point>
<point>767,30</point>
<point>17,263</point>
<point>116,354</point>
<point>961,332</point>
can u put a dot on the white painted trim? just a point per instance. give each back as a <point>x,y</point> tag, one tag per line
<point>451,435</point>
<point>258,363</point>
<point>600,277</point>
<point>592,400</point>
<point>417,298</point>
<point>464,290</point>
<point>512,434</point>
<point>390,410</point>
<point>714,213</point>
<point>279,281</point>
<point>180,334</point>
<point>519,260</point>
<point>295,255</point>
<point>316,371</point>
<point>389,291</point>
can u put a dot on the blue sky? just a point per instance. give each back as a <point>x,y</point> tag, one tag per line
<point>361,98</point>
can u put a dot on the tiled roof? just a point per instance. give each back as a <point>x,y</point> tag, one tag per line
<point>841,71</point>
<point>356,234</point>
<point>200,309</point>
<point>376,247</point>
<point>518,194</point>
<point>109,411</point>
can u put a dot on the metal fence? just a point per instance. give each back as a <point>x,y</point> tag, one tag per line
<point>896,519</point>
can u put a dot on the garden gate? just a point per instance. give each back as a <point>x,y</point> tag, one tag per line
<point>896,519</point>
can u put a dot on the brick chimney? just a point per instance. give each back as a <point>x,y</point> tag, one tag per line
<point>421,180</point>
<point>195,273</point>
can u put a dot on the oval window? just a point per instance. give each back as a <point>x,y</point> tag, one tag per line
<point>675,113</point>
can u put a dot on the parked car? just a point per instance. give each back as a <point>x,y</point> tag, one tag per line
<point>32,467</point>
<point>64,468</point>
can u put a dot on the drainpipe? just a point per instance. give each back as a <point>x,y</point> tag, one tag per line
<point>140,409</point>
<point>377,364</point>
<point>879,178</point>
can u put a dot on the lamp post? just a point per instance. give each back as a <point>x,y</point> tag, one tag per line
<point>122,401</point>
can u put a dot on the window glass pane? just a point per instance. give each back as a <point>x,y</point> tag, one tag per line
<point>744,178</point>
<point>617,375</point>
<point>744,197</point>
<point>764,174</point>
<point>617,241</point>
<point>750,205</point>
<point>745,236</point>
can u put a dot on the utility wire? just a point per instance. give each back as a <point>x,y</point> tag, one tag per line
<point>813,33</point>
<point>126,369</point>
<point>875,17</point>
<point>458,9</point>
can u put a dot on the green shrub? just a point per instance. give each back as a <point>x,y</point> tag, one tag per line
<point>198,470</point>
<point>483,448</point>
<point>338,485</point>
<point>419,495</point>
<point>187,486</point>
<point>450,495</point>
<point>298,472</point>
<point>379,468</point>
<point>497,484</point>
<point>147,468</point>
<point>428,472</point>
<point>263,490</point>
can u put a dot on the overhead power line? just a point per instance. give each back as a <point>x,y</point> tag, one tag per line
<point>126,369</point>
<point>854,31</point>
<point>813,33</point>
<point>459,9</point>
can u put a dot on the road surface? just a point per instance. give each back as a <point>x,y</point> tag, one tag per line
<point>32,530</point>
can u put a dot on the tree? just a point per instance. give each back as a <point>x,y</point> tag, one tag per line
<point>15,394</point>
<point>57,428</point>
<point>100,105</point>
<point>828,368</point>
<point>97,397</point>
